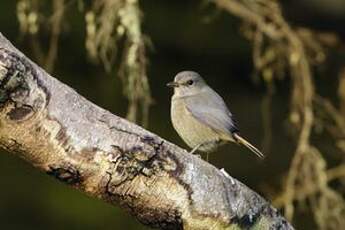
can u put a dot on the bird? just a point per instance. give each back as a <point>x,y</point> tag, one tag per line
<point>201,117</point>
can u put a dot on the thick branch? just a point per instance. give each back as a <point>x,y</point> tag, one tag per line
<point>48,124</point>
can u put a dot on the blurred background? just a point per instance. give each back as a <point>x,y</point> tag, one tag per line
<point>64,37</point>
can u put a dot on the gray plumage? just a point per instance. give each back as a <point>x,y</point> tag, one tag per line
<point>201,117</point>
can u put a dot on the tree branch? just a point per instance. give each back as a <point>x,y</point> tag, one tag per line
<point>48,124</point>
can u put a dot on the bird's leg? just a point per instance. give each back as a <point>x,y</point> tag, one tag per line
<point>195,148</point>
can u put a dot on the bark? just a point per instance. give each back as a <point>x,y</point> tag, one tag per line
<point>60,132</point>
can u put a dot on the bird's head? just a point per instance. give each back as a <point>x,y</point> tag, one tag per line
<point>187,83</point>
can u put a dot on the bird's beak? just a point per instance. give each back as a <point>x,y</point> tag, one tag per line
<point>172,84</point>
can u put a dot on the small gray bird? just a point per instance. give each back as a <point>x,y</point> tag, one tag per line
<point>201,117</point>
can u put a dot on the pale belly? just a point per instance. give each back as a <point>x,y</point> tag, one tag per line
<point>191,130</point>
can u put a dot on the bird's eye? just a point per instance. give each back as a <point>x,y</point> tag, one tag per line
<point>190,82</point>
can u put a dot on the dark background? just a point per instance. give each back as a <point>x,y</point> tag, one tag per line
<point>186,35</point>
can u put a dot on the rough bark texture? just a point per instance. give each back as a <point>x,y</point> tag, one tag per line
<point>48,124</point>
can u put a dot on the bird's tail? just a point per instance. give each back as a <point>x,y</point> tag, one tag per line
<point>244,142</point>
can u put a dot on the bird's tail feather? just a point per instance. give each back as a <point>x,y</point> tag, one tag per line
<point>248,145</point>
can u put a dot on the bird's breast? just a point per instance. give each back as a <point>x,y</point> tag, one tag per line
<point>190,129</point>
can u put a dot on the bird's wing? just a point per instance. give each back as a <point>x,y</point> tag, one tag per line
<point>209,108</point>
